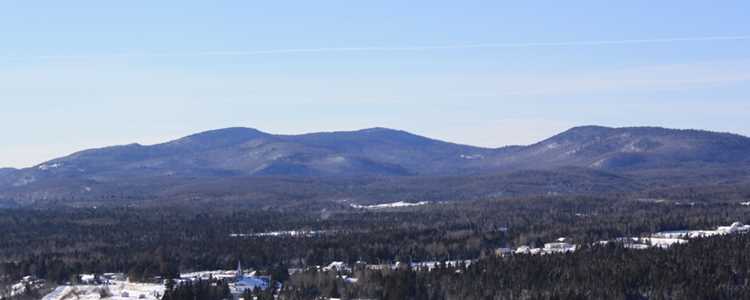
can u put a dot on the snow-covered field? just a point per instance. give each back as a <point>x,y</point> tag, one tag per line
<point>666,239</point>
<point>663,243</point>
<point>390,205</point>
<point>289,233</point>
<point>115,290</point>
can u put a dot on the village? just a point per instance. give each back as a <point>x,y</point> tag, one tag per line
<point>116,286</point>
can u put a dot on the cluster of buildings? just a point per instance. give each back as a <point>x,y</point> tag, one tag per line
<point>664,239</point>
<point>116,285</point>
<point>99,288</point>
<point>342,267</point>
<point>239,280</point>
<point>559,246</point>
<point>106,278</point>
<point>27,283</point>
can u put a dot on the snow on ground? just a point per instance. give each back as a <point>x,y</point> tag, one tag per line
<point>337,266</point>
<point>421,266</point>
<point>560,245</point>
<point>289,233</point>
<point>115,290</point>
<point>45,167</point>
<point>549,248</point>
<point>663,243</point>
<point>736,227</point>
<point>666,239</point>
<point>19,288</point>
<point>641,243</point>
<point>688,234</point>
<point>431,265</point>
<point>472,156</point>
<point>219,274</point>
<point>390,205</point>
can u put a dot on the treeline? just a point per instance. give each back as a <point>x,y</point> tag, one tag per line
<point>56,269</point>
<point>211,289</point>
<point>712,268</point>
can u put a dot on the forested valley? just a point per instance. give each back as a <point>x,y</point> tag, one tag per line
<point>149,245</point>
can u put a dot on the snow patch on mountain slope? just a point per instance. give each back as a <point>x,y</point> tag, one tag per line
<point>46,167</point>
<point>390,205</point>
<point>472,156</point>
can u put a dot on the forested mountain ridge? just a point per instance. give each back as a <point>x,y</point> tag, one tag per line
<point>321,165</point>
<point>633,148</point>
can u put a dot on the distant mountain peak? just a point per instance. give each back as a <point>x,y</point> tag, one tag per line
<point>379,129</point>
<point>227,132</point>
<point>588,129</point>
<point>222,137</point>
<point>591,128</point>
<point>594,131</point>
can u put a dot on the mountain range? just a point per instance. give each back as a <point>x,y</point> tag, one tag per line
<point>245,155</point>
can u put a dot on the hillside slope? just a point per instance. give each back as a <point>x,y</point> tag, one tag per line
<point>630,148</point>
<point>582,159</point>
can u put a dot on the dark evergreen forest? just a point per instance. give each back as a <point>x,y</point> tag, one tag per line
<point>152,244</point>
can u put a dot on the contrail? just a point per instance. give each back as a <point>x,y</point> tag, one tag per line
<point>400,48</point>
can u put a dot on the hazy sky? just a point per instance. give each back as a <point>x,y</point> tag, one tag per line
<point>80,74</point>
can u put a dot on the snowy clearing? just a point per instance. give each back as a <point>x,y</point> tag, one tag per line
<point>115,290</point>
<point>286,233</point>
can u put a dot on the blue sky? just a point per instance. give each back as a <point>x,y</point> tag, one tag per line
<point>81,74</point>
